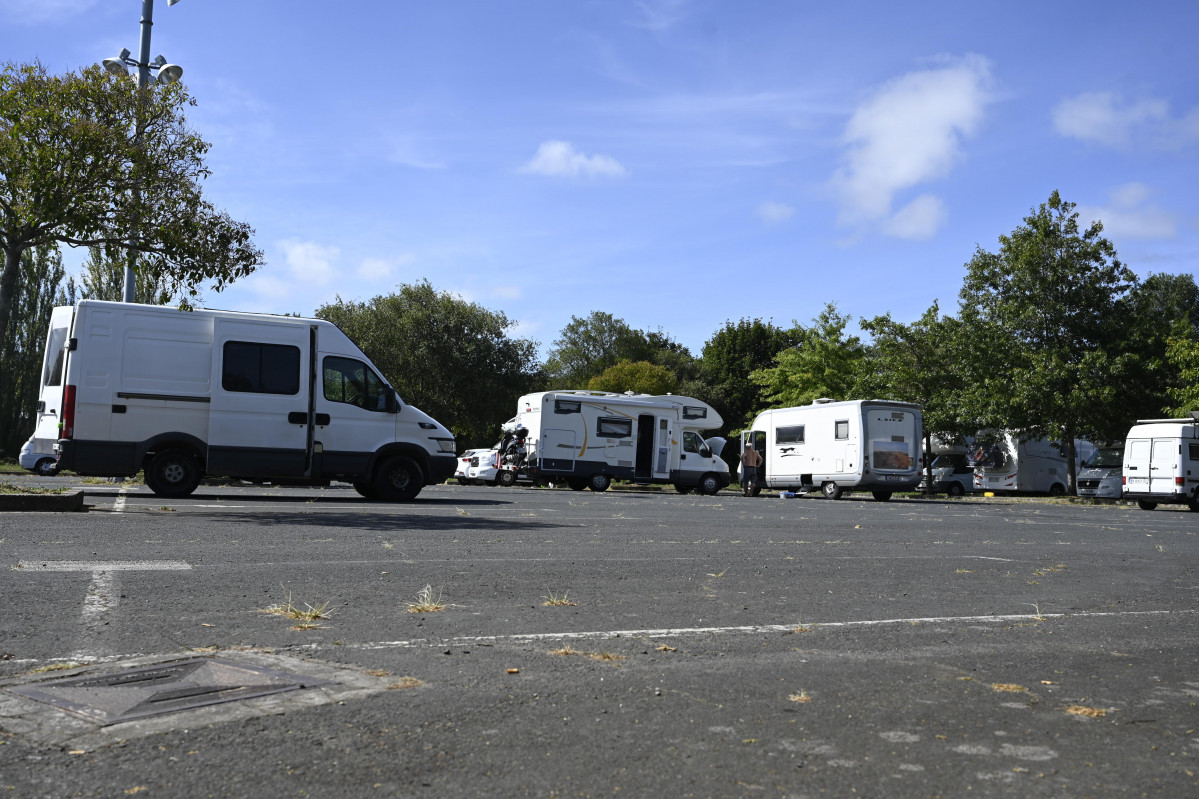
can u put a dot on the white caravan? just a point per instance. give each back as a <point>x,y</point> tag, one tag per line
<point>1102,474</point>
<point>837,447</point>
<point>589,438</point>
<point>1161,463</point>
<point>1005,462</point>
<point>37,455</point>
<point>183,394</point>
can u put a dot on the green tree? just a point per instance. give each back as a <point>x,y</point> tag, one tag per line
<point>1159,310</point>
<point>85,156</point>
<point>104,279</point>
<point>824,363</point>
<point>640,377</point>
<point>1182,355</point>
<point>920,363</point>
<point>1044,317</point>
<point>733,353</point>
<point>588,346</point>
<point>451,358</point>
<point>40,289</point>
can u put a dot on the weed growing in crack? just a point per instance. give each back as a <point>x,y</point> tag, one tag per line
<point>425,601</point>
<point>556,600</point>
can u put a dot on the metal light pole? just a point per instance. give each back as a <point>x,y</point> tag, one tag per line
<point>167,73</point>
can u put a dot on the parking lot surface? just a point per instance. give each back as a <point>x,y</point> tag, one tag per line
<point>589,644</point>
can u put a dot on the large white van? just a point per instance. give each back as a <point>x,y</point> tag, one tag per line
<point>1161,463</point>
<point>38,455</point>
<point>837,447</point>
<point>183,394</point>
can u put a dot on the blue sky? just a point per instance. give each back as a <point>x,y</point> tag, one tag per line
<point>677,163</point>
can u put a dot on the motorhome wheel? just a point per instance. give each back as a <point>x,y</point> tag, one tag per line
<point>399,479</point>
<point>46,467</point>
<point>831,490</point>
<point>599,482</point>
<point>1145,504</point>
<point>506,478</point>
<point>708,484</point>
<point>881,496</point>
<point>1057,490</point>
<point>955,490</point>
<point>173,473</point>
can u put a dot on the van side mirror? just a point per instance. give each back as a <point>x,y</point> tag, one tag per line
<point>393,401</point>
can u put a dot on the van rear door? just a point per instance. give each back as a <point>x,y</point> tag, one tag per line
<point>260,399</point>
<point>1164,462</point>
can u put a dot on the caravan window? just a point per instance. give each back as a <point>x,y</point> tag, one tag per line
<point>789,435</point>
<point>260,368</point>
<point>613,427</point>
<point>842,430</point>
<point>351,381</point>
<point>568,406</point>
<point>694,412</point>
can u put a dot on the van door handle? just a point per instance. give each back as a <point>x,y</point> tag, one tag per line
<point>322,420</point>
<point>297,417</point>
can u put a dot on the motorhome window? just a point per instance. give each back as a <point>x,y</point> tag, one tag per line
<point>261,368</point>
<point>568,406</point>
<point>789,435</point>
<point>613,427</point>
<point>842,430</point>
<point>692,412</point>
<point>351,381</point>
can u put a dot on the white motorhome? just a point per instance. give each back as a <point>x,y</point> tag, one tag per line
<point>837,447</point>
<point>1006,462</point>
<point>183,394</point>
<point>587,439</point>
<point>1161,463</point>
<point>950,468</point>
<point>1102,474</point>
<point>38,455</point>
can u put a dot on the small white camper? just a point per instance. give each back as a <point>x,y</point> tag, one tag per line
<point>1161,463</point>
<point>1006,462</point>
<point>587,439</point>
<point>182,394</point>
<point>837,447</point>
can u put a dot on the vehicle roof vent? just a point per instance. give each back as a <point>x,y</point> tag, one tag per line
<point>822,401</point>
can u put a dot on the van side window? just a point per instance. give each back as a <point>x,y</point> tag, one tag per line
<point>1194,451</point>
<point>613,427</point>
<point>260,368</point>
<point>58,346</point>
<point>693,443</point>
<point>789,435</point>
<point>842,430</point>
<point>351,381</point>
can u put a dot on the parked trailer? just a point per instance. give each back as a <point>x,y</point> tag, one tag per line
<point>587,439</point>
<point>1161,463</point>
<point>838,447</point>
<point>183,394</point>
<point>1006,462</point>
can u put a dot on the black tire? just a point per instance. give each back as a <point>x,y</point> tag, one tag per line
<point>399,479</point>
<point>462,481</point>
<point>46,467</point>
<point>576,483</point>
<point>505,478</point>
<point>1193,505</point>
<point>1057,490</point>
<point>173,473</point>
<point>682,489</point>
<point>599,482</point>
<point>1145,504</point>
<point>367,490</point>
<point>881,496</point>
<point>830,490</point>
<point>955,489</point>
<point>708,484</point>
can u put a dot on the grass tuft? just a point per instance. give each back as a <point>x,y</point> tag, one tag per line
<point>425,601</point>
<point>307,614</point>
<point>556,600</point>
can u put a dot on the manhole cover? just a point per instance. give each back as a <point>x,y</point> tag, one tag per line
<point>163,688</point>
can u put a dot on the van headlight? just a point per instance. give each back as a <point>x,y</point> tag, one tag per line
<point>445,444</point>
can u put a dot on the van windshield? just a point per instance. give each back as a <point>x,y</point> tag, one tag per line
<point>1105,459</point>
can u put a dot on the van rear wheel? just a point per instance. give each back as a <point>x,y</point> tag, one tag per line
<point>173,473</point>
<point>1145,504</point>
<point>399,479</point>
<point>881,496</point>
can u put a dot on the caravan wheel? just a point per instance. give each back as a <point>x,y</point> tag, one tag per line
<point>830,490</point>
<point>599,482</point>
<point>173,473</point>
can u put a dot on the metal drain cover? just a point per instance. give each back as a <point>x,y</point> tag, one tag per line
<point>162,688</point>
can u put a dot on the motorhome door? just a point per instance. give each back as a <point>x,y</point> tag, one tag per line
<point>557,448</point>
<point>260,399</point>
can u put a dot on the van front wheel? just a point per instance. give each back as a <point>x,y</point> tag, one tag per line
<point>173,473</point>
<point>709,484</point>
<point>399,479</point>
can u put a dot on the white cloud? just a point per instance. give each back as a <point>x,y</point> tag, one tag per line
<point>660,15</point>
<point>908,133</point>
<point>309,262</point>
<point>380,270</point>
<point>775,212</point>
<point>1106,118</point>
<point>506,292</point>
<point>560,159</point>
<point>1130,214</point>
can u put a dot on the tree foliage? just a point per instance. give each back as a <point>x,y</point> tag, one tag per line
<point>728,359</point>
<point>823,363</point>
<point>451,358</point>
<point>103,278</point>
<point>639,377</point>
<point>86,158</point>
<point>1043,313</point>
<point>588,346</point>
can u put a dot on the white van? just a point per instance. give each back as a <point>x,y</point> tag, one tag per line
<point>1161,463</point>
<point>183,394</point>
<point>837,447</point>
<point>587,439</point>
<point>38,455</point>
<point>1006,462</point>
<point>1102,474</point>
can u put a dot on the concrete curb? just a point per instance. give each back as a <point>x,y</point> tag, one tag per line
<point>54,503</point>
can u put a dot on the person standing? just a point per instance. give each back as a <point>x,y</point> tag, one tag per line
<point>751,459</point>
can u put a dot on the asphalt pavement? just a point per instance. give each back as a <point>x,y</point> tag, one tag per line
<point>543,642</point>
